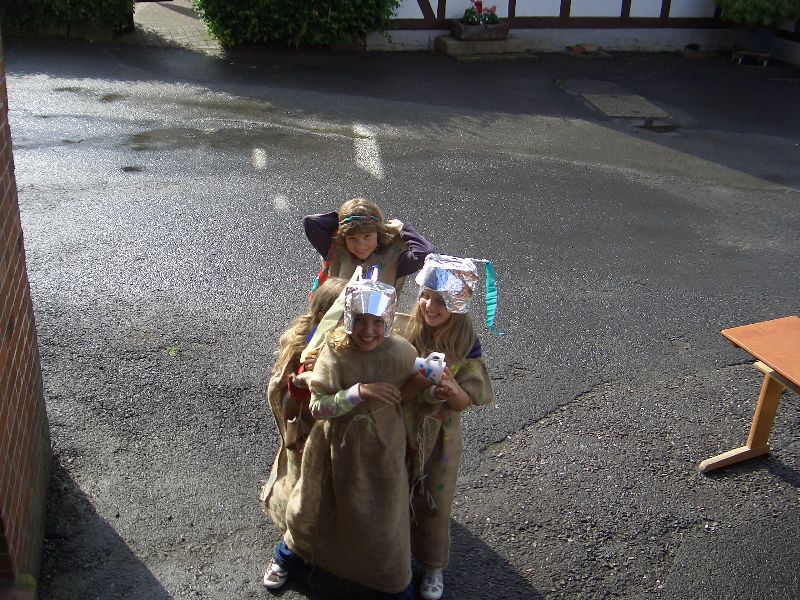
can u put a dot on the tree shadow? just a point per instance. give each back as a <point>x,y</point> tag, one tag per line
<point>83,556</point>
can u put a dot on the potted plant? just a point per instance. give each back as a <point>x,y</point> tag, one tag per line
<point>757,20</point>
<point>480,24</point>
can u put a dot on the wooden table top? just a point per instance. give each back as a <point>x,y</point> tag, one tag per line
<point>776,343</point>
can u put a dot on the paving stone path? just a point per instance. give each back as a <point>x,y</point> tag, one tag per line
<point>171,23</point>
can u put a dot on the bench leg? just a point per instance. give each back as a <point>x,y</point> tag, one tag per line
<point>760,428</point>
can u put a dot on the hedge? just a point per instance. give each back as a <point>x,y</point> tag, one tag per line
<point>32,15</point>
<point>295,22</point>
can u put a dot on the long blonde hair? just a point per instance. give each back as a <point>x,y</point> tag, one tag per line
<point>455,337</point>
<point>361,207</point>
<point>294,339</point>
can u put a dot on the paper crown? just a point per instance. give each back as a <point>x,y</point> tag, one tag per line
<point>453,278</point>
<point>369,297</point>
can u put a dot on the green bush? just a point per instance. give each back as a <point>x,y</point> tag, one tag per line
<point>759,13</point>
<point>296,22</point>
<point>30,15</point>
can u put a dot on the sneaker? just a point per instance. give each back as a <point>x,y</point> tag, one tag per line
<point>275,576</point>
<point>432,585</point>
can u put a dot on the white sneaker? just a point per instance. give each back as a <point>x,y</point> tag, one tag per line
<point>275,576</point>
<point>432,585</point>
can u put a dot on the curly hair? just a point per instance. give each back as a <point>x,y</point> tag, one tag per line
<point>373,221</point>
<point>294,339</point>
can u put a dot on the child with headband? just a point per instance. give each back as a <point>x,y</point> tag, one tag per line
<point>440,323</point>
<point>358,235</point>
<point>289,400</point>
<point>349,511</point>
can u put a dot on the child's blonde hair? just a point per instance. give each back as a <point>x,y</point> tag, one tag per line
<point>373,221</point>
<point>455,337</point>
<point>294,339</point>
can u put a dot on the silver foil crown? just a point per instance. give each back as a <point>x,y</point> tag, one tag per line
<point>367,297</point>
<point>453,278</point>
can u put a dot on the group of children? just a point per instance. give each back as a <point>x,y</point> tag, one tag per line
<point>362,431</point>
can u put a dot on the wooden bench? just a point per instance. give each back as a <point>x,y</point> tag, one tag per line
<point>776,346</point>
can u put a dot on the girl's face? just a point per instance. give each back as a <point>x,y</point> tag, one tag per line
<point>433,308</point>
<point>367,332</point>
<point>361,245</point>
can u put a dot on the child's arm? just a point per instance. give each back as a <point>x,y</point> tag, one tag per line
<point>330,406</point>
<point>414,386</point>
<point>449,391</point>
<point>417,248</point>
<point>320,229</point>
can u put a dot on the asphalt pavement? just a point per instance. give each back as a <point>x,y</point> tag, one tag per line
<point>633,205</point>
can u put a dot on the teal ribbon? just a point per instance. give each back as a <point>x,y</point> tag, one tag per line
<point>491,298</point>
<point>358,219</point>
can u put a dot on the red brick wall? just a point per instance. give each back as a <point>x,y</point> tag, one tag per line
<point>24,437</point>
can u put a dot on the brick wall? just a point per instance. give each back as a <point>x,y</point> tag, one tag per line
<point>24,436</point>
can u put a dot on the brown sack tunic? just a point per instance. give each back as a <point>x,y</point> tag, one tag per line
<point>349,513</point>
<point>435,443</point>
<point>343,264</point>
<point>286,467</point>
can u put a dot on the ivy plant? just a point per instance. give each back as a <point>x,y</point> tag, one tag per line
<point>759,13</point>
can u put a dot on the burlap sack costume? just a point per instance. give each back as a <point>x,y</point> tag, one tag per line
<point>343,264</point>
<point>434,444</point>
<point>286,467</point>
<point>349,511</point>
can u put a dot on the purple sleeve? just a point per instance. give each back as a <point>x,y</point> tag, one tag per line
<point>320,229</point>
<point>475,351</point>
<point>417,248</point>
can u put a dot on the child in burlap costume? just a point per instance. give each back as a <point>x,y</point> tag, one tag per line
<point>357,235</point>
<point>349,511</point>
<point>289,401</point>
<point>439,323</point>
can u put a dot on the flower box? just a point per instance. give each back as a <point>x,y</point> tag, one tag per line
<point>472,33</point>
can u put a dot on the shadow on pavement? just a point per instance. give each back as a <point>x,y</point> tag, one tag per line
<point>83,556</point>
<point>771,463</point>
<point>708,95</point>
<point>475,571</point>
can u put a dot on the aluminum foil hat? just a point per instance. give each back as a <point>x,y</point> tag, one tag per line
<point>453,278</point>
<point>369,297</point>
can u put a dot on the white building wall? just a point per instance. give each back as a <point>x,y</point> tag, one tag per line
<point>646,8</point>
<point>409,9</point>
<point>538,8</point>
<point>692,8</point>
<point>595,8</point>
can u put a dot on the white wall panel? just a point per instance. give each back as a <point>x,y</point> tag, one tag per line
<point>408,9</point>
<point>692,8</point>
<point>455,8</point>
<point>538,8</point>
<point>646,8</point>
<point>596,8</point>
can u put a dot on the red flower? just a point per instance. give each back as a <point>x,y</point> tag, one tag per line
<point>479,6</point>
<point>493,10</point>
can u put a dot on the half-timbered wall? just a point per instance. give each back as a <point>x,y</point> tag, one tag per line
<point>550,25</point>
<point>433,14</point>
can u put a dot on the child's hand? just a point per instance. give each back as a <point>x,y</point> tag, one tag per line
<point>382,392</point>
<point>447,387</point>
<point>311,359</point>
<point>449,391</point>
<point>395,225</point>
